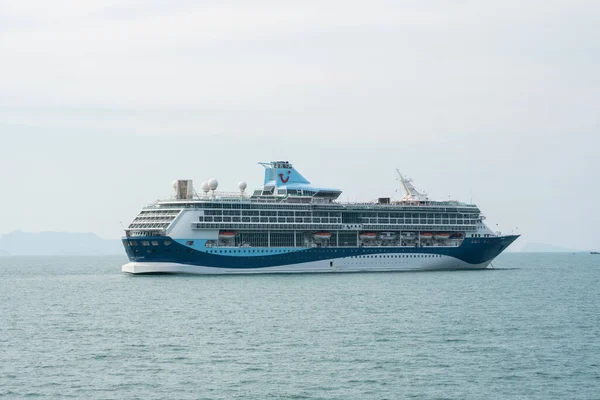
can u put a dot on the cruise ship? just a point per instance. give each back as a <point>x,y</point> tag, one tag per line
<point>290,225</point>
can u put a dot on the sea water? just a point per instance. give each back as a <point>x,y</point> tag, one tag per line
<point>79,328</point>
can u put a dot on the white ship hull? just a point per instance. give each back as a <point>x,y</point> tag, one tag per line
<point>443,263</point>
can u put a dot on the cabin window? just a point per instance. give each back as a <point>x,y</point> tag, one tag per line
<point>189,242</point>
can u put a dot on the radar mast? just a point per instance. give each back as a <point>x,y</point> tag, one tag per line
<point>412,194</point>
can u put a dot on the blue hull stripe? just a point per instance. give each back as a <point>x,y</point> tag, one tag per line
<point>472,251</point>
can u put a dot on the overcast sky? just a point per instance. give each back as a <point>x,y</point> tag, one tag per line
<point>104,103</point>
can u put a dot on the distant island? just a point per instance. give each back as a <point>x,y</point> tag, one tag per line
<point>546,248</point>
<point>20,243</point>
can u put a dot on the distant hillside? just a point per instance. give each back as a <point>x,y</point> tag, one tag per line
<point>545,248</point>
<point>19,243</point>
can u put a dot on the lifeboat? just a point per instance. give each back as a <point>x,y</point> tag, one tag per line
<point>367,236</point>
<point>426,235</point>
<point>226,235</point>
<point>322,236</point>
<point>387,235</point>
<point>442,235</point>
<point>408,235</point>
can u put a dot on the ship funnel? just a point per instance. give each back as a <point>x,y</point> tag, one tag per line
<point>281,173</point>
<point>184,189</point>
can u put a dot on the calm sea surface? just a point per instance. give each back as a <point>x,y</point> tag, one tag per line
<point>79,328</point>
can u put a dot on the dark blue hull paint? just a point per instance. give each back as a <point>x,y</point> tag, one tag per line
<point>472,250</point>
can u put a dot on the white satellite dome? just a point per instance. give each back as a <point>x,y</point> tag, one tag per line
<point>242,185</point>
<point>174,184</point>
<point>205,187</point>
<point>213,184</point>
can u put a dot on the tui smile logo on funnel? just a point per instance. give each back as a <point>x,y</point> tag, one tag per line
<point>287,178</point>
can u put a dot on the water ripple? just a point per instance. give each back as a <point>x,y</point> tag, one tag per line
<point>78,328</point>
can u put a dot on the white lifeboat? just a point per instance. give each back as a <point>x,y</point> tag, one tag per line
<point>408,235</point>
<point>226,235</point>
<point>442,235</point>
<point>367,236</point>
<point>426,235</point>
<point>387,236</point>
<point>322,236</point>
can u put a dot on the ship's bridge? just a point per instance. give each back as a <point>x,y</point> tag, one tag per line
<point>281,179</point>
